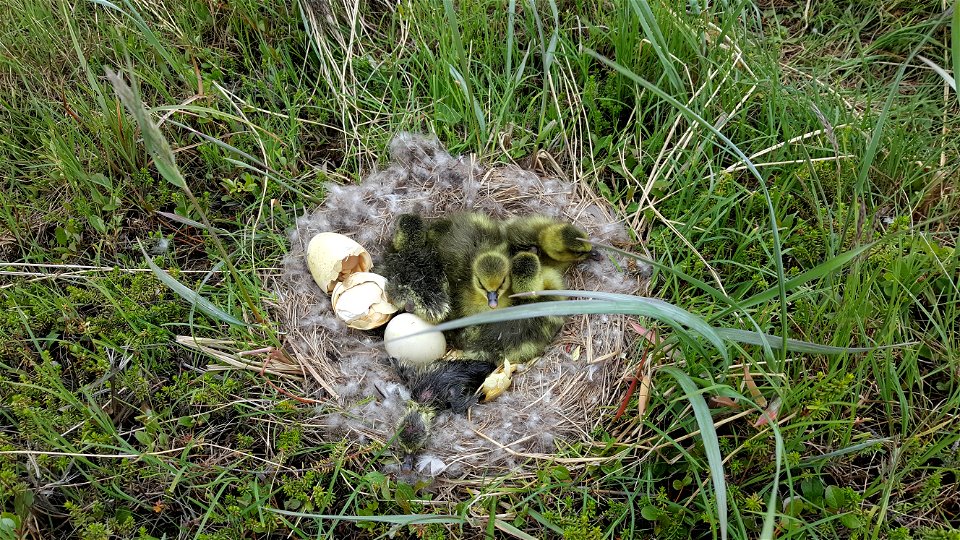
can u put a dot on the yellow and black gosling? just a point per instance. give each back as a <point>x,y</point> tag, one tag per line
<point>413,432</point>
<point>521,340</point>
<point>461,239</point>
<point>486,287</point>
<point>416,280</point>
<point>444,385</point>
<point>558,244</point>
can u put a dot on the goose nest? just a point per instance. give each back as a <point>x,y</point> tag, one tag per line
<point>557,400</point>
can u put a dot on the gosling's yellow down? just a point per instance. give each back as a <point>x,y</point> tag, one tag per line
<point>558,244</point>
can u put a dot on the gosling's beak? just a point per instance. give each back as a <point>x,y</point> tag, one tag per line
<point>492,299</point>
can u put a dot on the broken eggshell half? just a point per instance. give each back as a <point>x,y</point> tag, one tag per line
<point>332,257</point>
<point>360,301</point>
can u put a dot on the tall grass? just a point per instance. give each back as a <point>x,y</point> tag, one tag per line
<point>794,190</point>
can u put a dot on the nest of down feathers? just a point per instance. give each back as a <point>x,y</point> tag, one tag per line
<point>555,400</point>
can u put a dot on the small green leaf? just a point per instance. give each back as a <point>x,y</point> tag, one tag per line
<point>650,512</point>
<point>23,502</point>
<point>793,506</point>
<point>61,235</point>
<point>97,223</point>
<point>834,498</point>
<point>851,521</point>
<point>560,473</point>
<point>101,180</point>
<point>143,438</point>
<point>9,523</point>
<point>444,113</point>
<point>812,489</point>
<point>403,494</point>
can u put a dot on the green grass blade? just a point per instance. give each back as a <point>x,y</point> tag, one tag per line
<point>770,516</point>
<point>512,531</point>
<point>711,444</point>
<point>734,334</point>
<point>817,272</point>
<point>156,144</point>
<point>622,304</point>
<point>397,519</point>
<point>698,283</point>
<point>847,450</point>
<point>463,74</point>
<point>190,295</point>
<point>511,22</point>
<point>939,71</point>
<point>151,37</point>
<point>468,94</point>
<point>955,40</point>
<point>792,345</point>
<point>657,41</point>
<point>874,144</point>
<point>166,165</point>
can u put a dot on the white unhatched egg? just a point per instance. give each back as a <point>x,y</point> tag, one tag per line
<point>331,257</point>
<point>416,350</point>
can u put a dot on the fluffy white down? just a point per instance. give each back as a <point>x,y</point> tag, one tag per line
<point>555,399</point>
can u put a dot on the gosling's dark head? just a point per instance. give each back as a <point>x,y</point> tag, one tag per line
<point>408,232</point>
<point>413,430</point>
<point>525,272</point>
<point>562,242</point>
<point>491,276</point>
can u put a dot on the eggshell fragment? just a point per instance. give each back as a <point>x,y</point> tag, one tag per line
<point>497,382</point>
<point>331,257</point>
<point>360,301</point>
<point>417,350</point>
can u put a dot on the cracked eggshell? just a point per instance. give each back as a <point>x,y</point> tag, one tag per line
<point>331,257</point>
<point>418,350</point>
<point>497,382</point>
<point>360,301</point>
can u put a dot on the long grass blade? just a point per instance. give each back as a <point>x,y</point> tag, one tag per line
<point>939,71</point>
<point>463,74</point>
<point>657,41</point>
<point>817,272</point>
<point>190,295</point>
<point>151,37</point>
<point>166,165</point>
<point>741,336</point>
<point>770,516</point>
<point>654,308</point>
<point>794,345</point>
<point>404,520</point>
<point>955,41</point>
<point>711,444</point>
